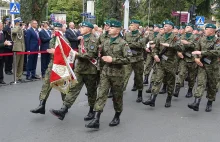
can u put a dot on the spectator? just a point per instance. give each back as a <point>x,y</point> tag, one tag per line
<point>63,29</point>
<point>33,43</point>
<point>8,49</point>
<point>3,43</point>
<point>45,37</point>
<point>72,36</point>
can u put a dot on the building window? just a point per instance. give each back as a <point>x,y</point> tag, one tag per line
<point>3,13</point>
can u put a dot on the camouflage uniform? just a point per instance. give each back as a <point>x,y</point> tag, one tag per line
<point>187,66</point>
<point>113,74</point>
<point>137,59</point>
<point>86,73</point>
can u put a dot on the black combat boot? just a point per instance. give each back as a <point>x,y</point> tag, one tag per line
<point>95,121</point>
<point>168,101</point>
<point>134,88</point>
<point>60,113</point>
<point>63,96</point>
<point>151,101</point>
<point>90,115</point>
<point>41,108</point>
<point>209,106</point>
<point>164,89</point>
<point>195,104</point>
<point>149,89</point>
<point>177,90</point>
<point>116,120</point>
<point>145,80</point>
<point>86,94</point>
<point>110,94</point>
<point>189,93</point>
<point>139,98</point>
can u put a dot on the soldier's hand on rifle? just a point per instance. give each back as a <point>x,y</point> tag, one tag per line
<point>184,42</point>
<point>198,62</point>
<point>165,44</point>
<point>51,51</point>
<point>107,59</point>
<point>156,58</point>
<point>196,52</point>
<point>180,55</point>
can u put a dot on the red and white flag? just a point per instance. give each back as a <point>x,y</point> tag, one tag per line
<point>62,75</point>
<point>83,50</point>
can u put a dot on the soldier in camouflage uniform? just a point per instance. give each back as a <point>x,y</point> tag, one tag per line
<point>115,54</point>
<point>153,76</point>
<point>187,66</point>
<point>207,59</point>
<point>46,88</point>
<point>165,56</point>
<point>134,41</point>
<point>85,71</point>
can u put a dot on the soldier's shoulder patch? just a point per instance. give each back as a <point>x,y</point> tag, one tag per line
<point>129,50</point>
<point>217,45</point>
<point>93,41</point>
<point>92,47</point>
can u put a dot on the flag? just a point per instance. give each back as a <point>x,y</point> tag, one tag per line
<point>62,75</point>
<point>83,50</point>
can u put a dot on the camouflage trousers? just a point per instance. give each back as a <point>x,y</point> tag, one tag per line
<point>138,68</point>
<point>164,72</point>
<point>116,84</point>
<point>218,84</point>
<point>90,81</point>
<point>46,88</point>
<point>148,64</point>
<point>206,76</point>
<point>187,69</point>
<point>19,65</point>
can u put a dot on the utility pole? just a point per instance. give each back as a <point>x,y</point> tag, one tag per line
<point>126,14</point>
<point>12,17</point>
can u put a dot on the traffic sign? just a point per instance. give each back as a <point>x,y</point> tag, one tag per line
<point>14,8</point>
<point>200,20</point>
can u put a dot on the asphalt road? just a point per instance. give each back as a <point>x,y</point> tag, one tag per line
<point>139,123</point>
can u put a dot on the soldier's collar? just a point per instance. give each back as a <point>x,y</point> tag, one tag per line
<point>188,35</point>
<point>134,32</point>
<point>155,34</point>
<point>86,36</point>
<point>210,37</point>
<point>114,39</point>
<point>167,35</point>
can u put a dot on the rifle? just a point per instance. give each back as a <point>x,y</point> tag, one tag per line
<point>205,59</point>
<point>99,57</point>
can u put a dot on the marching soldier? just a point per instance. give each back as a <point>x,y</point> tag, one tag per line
<point>19,46</point>
<point>187,66</point>
<point>207,59</point>
<point>85,71</point>
<point>115,54</point>
<point>46,88</point>
<point>134,41</point>
<point>165,55</point>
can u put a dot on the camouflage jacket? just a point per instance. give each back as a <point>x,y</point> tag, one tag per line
<point>120,53</point>
<point>174,45</point>
<point>210,50</point>
<point>84,66</point>
<point>136,46</point>
<point>187,49</point>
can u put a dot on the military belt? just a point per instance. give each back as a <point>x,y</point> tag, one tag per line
<point>188,54</point>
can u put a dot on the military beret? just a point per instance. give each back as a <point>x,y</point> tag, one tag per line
<point>56,24</point>
<point>209,25</point>
<point>160,26</point>
<point>168,22</point>
<point>87,24</point>
<point>151,26</point>
<point>176,27</point>
<point>156,25</point>
<point>17,20</point>
<point>107,22</point>
<point>6,19</point>
<point>115,23</point>
<point>135,22</point>
<point>191,25</point>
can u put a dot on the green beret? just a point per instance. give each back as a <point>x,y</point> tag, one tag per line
<point>87,24</point>
<point>191,25</point>
<point>56,24</point>
<point>151,26</point>
<point>168,22</point>
<point>135,22</point>
<point>176,27</point>
<point>209,25</point>
<point>107,22</point>
<point>160,26</point>
<point>115,23</point>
